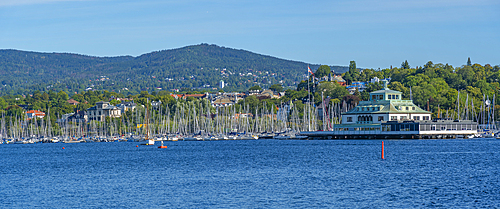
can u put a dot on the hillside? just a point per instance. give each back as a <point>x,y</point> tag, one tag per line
<point>198,66</point>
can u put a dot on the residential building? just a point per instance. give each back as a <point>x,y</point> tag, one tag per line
<point>34,114</point>
<point>102,110</point>
<point>126,106</point>
<point>73,102</point>
<point>269,94</point>
<point>357,85</point>
<point>79,116</point>
<point>222,102</point>
<point>338,79</point>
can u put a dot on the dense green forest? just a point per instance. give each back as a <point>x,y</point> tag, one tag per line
<point>192,67</point>
<point>437,85</point>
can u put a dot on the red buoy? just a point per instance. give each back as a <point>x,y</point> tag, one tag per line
<point>63,148</point>
<point>383,150</point>
<point>162,147</point>
<point>136,145</point>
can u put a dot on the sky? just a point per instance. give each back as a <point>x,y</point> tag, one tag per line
<point>375,34</point>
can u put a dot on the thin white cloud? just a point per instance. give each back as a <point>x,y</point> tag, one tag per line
<point>30,2</point>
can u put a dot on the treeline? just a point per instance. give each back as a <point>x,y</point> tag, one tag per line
<point>188,67</point>
<point>436,85</point>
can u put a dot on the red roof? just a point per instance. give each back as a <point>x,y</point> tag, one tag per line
<point>72,101</point>
<point>195,95</point>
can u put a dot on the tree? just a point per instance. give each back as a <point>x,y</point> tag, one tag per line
<point>429,65</point>
<point>469,63</point>
<point>353,71</point>
<point>115,102</point>
<point>276,87</point>
<point>352,66</point>
<point>323,70</point>
<point>405,65</point>
<point>256,87</point>
<point>62,96</point>
<point>3,104</point>
<point>332,89</point>
<point>347,77</point>
<point>351,100</point>
<point>397,86</point>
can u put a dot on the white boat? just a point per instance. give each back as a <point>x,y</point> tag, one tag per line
<point>150,142</point>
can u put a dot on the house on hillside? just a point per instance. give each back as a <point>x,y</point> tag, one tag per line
<point>253,92</point>
<point>222,102</point>
<point>338,79</point>
<point>357,85</point>
<point>34,114</point>
<point>156,104</point>
<point>79,117</point>
<point>269,94</point>
<point>126,106</point>
<point>178,96</point>
<point>73,102</point>
<point>102,110</point>
<point>64,118</point>
<point>197,96</point>
<point>377,80</point>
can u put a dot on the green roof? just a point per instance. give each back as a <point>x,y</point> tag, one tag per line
<point>385,91</point>
<point>385,106</point>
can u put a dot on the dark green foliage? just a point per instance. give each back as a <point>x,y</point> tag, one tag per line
<point>322,71</point>
<point>332,89</point>
<point>256,87</point>
<point>352,74</point>
<point>405,65</point>
<point>276,87</point>
<point>192,67</point>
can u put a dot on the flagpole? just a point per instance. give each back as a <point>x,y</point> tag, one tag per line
<point>309,102</point>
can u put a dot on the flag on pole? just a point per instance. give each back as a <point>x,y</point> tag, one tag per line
<point>309,70</point>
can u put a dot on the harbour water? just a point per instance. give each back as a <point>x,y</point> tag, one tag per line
<point>253,174</point>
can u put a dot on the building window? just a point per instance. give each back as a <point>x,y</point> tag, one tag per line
<point>380,118</point>
<point>407,108</point>
<point>426,118</point>
<point>416,117</point>
<point>349,119</point>
<point>403,118</point>
<point>397,96</point>
<point>394,117</point>
<point>413,108</point>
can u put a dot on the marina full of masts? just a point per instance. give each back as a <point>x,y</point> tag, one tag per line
<point>183,121</point>
<point>197,121</point>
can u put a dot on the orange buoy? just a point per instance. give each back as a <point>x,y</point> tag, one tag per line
<point>162,147</point>
<point>63,148</point>
<point>136,145</point>
<point>383,150</point>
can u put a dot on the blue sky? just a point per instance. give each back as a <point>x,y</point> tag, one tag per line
<point>376,34</point>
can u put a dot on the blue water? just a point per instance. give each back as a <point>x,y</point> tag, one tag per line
<point>253,174</point>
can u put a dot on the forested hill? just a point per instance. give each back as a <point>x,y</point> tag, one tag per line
<point>198,66</point>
